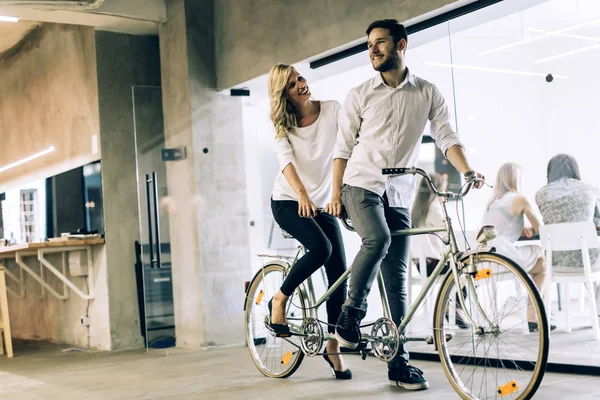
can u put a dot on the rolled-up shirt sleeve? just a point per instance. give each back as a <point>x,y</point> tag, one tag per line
<point>285,153</point>
<point>439,123</point>
<point>349,120</point>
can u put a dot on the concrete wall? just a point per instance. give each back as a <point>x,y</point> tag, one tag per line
<point>122,61</point>
<point>253,35</point>
<point>48,97</point>
<point>209,231</point>
<point>80,85</point>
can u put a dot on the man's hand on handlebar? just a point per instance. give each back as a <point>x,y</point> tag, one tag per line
<point>479,179</point>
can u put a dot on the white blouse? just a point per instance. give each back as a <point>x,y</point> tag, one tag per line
<point>310,151</point>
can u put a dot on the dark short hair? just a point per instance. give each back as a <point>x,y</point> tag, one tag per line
<point>396,29</point>
<point>563,166</point>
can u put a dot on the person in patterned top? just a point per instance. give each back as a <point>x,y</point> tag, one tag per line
<point>567,199</point>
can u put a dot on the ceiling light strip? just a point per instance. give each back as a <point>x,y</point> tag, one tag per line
<point>528,40</point>
<point>568,53</point>
<point>27,159</point>
<point>569,35</point>
<point>4,18</point>
<point>498,70</point>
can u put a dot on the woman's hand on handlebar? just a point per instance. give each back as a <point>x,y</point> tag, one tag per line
<point>306,207</point>
<point>334,208</point>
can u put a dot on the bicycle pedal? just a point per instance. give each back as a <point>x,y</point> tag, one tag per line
<point>279,335</point>
<point>364,354</point>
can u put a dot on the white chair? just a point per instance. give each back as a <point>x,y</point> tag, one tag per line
<point>418,249</point>
<point>580,236</point>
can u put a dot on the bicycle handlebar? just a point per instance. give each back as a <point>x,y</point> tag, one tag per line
<point>448,195</point>
<point>347,223</point>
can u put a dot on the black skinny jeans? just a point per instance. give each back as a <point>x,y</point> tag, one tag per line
<point>322,238</point>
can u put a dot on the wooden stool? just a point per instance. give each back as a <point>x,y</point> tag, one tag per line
<point>5,320</point>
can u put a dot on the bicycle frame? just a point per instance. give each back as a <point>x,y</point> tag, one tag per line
<point>452,248</point>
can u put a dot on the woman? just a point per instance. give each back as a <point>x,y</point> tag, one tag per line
<point>567,199</point>
<point>306,132</point>
<point>506,211</point>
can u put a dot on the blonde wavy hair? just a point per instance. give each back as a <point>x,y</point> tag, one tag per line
<point>507,180</point>
<point>282,110</point>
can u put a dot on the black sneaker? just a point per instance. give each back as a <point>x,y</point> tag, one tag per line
<point>407,377</point>
<point>347,330</point>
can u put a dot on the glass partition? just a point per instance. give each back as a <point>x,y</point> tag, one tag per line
<point>153,252</point>
<point>527,88</point>
<point>521,79</point>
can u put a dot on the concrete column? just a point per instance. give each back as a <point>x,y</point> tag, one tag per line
<point>122,61</point>
<point>209,219</point>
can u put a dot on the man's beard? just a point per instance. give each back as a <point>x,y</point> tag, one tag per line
<point>392,62</point>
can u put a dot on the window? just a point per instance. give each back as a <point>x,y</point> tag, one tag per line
<point>28,214</point>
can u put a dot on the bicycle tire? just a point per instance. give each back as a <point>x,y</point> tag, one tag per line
<point>448,363</point>
<point>253,308</point>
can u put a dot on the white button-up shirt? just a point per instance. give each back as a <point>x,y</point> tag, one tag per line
<point>384,130</point>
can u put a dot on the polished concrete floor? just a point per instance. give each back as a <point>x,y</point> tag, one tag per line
<point>578,347</point>
<point>42,371</point>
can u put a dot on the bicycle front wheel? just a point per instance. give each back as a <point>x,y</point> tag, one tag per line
<point>273,356</point>
<point>502,356</point>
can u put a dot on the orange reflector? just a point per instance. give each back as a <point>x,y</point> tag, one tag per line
<point>286,358</point>
<point>507,389</point>
<point>260,296</point>
<point>483,274</point>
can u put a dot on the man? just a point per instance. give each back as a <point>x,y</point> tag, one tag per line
<point>386,119</point>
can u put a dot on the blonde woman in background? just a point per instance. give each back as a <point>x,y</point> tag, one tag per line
<point>507,210</point>
<point>306,132</point>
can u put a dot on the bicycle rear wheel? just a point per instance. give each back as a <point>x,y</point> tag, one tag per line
<point>499,357</point>
<point>273,356</point>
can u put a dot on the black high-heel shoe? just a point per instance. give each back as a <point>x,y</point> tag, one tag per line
<point>280,330</point>
<point>534,327</point>
<point>347,374</point>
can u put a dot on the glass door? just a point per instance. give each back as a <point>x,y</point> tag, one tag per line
<point>153,266</point>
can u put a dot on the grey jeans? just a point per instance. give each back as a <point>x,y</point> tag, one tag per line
<point>373,218</point>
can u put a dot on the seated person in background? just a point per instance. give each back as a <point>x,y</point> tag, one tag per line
<point>506,210</point>
<point>567,199</point>
<point>427,213</point>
